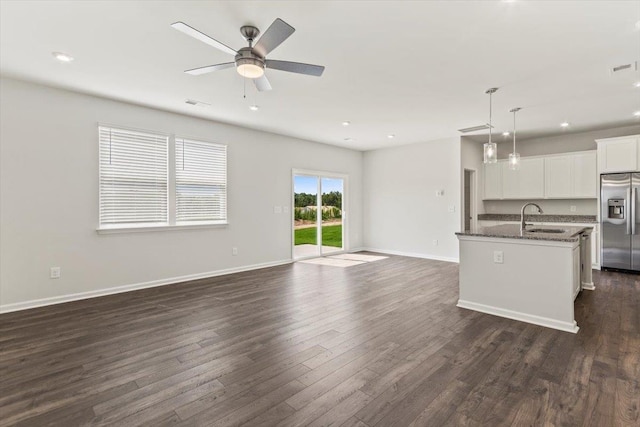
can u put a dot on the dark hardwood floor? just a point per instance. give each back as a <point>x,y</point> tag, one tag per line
<point>379,344</point>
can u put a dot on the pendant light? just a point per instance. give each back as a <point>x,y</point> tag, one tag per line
<point>514,158</point>
<point>490,148</point>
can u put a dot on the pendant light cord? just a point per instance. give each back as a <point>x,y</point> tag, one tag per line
<point>514,131</point>
<point>490,126</point>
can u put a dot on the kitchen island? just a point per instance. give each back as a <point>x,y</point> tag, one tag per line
<point>531,276</point>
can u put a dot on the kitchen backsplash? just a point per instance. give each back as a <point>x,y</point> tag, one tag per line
<point>552,207</point>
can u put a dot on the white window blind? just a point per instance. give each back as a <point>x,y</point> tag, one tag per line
<point>133,178</point>
<point>201,181</point>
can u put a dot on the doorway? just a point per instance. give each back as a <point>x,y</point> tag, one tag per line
<point>318,214</point>
<point>469,200</point>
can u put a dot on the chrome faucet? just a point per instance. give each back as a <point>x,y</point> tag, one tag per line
<point>523,225</point>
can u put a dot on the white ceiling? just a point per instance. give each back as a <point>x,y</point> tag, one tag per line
<point>415,69</point>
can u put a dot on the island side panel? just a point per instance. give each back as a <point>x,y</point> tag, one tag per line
<point>534,283</point>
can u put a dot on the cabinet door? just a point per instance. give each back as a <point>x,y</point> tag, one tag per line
<point>618,154</point>
<point>510,181</point>
<point>576,272</point>
<point>531,179</point>
<point>493,181</point>
<point>585,175</point>
<point>595,247</point>
<point>558,181</point>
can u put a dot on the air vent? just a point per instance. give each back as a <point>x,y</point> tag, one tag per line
<point>197,103</point>
<point>475,128</point>
<point>625,67</point>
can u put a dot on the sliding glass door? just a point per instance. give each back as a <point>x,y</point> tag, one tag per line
<point>318,226</point>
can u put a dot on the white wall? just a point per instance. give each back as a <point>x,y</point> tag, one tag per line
<point>472,157</point>
<point>551,207</point>
<point>49,197</point>
<point>402,213</point>
<point>564,142</point>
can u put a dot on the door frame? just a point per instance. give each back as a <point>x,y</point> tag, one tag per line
<point>345,209</point>
<point>473,202</point>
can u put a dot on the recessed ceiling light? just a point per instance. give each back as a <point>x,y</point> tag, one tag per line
<point>637,113</point>
<point>346,123</point>
<point>637,84</point>
<point>391,136</point>
<point>254,107</point>
<point>564,124</point>
<point>505,134</point>
<point>62,57</point>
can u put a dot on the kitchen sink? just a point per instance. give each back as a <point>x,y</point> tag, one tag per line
<point>545,230</point>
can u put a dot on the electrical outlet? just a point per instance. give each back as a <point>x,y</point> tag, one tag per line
<point>498,257</point>
<point>439,193</point>
<point>452,208</point>
<point>572,208</point>
<point>435,242</point>
<point>277,209</point>
<point>55,272</point>
<point>234,251</point>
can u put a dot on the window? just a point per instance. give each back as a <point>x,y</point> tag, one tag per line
<point>133,178</point>
<point>201,181</point>
<point>150,180</point>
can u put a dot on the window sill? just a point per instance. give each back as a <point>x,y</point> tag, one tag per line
<point>142,229</point>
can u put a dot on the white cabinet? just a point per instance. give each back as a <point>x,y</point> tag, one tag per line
<point>595,237</point>
<point>571,176</point>
<point>560,176</point>
<point>619,154</point>
<point>493,180</point>
<point>557,176</point>
<point>585,175</point>
<point>526,182</point>
<point>576,272</point>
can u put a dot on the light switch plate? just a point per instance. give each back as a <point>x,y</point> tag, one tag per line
<point>498,257</point>
<point>452,208</point>
<point>54,272</point>
<point>277,209</point>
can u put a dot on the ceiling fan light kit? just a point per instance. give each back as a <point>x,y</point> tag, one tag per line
<point>250,61</point>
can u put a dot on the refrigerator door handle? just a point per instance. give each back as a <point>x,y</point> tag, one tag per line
<point>634,200</point>
<point>628,213</point>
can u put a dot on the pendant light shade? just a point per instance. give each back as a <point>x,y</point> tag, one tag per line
<point>514,158</point>
<point>490,148</point>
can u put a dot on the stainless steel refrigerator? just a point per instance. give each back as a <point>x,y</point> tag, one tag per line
<point>620,220</point>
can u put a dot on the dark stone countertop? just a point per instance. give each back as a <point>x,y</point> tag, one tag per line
<point>584,219</point>
<point>512,231</point>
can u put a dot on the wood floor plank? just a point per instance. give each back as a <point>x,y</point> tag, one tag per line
<point>377,344</point>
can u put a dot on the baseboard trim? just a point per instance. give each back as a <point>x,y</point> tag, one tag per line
<point>411,254</point>
<point>19,306</point>
<point>588,286</point>
<point>523,317</point>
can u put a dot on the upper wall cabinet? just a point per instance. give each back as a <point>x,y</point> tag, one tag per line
<point>524,183</point>
<point>571,176</point>
<point>564,176</point>
<point>619,154</point>
<point>493,180</point>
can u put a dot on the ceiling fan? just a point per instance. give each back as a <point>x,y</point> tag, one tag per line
<point>251,61</point>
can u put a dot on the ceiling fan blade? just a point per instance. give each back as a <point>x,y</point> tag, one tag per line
<point>295,67</point>
<point>262,83</point>
<point>277,32</point>
<point>190,31</point>
<point>210,68</point>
